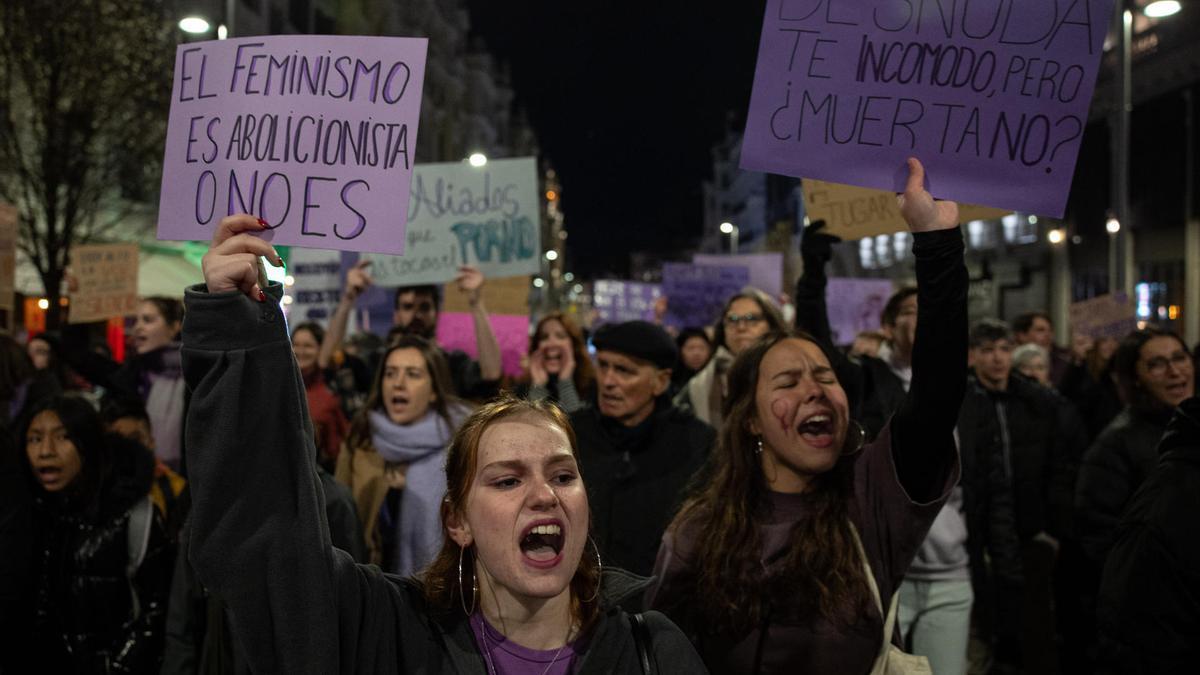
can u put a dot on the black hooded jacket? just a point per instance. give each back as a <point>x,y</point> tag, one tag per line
<point>1149,605</point>
<point>91,617</point>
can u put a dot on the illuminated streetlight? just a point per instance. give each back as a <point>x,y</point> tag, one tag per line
<point>289,280</point>
<point>477,159</point>
<point>538,282</point>
<point>1113,225</point>
<point>578,288</point>
<point>569,276</point>
<point>1056,236</point>
<point>1161,8</point>
<point>193,24</point>
<point>726,228</point>
<point>1033,220</point>
<point>222,32</point>
<point>43,303</point>
<point>551,255</point>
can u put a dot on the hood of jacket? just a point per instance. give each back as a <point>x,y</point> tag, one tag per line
<point>1181,442</point>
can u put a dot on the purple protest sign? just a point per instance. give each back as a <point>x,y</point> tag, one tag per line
<point>855,305</point>
<point>696,293</point>
<point>314,134</point>
<point>992,97</point>
<point>766,269</point>
<point>618,301</point>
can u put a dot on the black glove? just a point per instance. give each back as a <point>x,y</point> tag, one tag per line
<point>816,247</point>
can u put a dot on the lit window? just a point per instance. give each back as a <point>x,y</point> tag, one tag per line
<point>866,253</point>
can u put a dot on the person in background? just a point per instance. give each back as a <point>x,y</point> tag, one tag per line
<point>513,588</point>
<point>746,317</point>
<point>695,349</point>
<point>1037,328</point>
<point>1032,361</point>
<point>21,385</point>
<point>416,313</point>
<point>637,450</point>
<point>329,423</point>
<point>104,560</point>
<point>867,343</point>
<point>559,366</point>
<point>1148,614</point>
<point>394,451</point>
<point>43,353</point>
<point>1155,374</point>
<point>152,373</point>
<point>788,556</point>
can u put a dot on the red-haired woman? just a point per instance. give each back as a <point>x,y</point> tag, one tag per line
<point>559,367</point>
<point>515,588</point>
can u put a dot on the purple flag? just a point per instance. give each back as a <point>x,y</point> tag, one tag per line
<point>991,96</point>
<point>314,134</point>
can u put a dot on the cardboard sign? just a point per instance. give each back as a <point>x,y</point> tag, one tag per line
<point>696,293</point>
<point>992,97</point>
<point>8,263</point>
<point>619,301</point>
<point>855,213</point>
<point>487,216</point>
<point>456,330</point>
<point>766,269</point>
<point>854,306</point>
<point>107,275</point>
<point>318,286</point>
<point>314,134</point>
<point>1106,316</point>
<point>500,296</point>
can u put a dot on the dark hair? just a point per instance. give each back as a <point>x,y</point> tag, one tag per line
<point>689,333</point>
<point>15,367</point>
<point>317,331</point>
<point>117,407</point>
<point>585,374</point>
<point>359,435</point>
<point>988,330</point>
<point>768,309</point>
<point>83,428</point>
<point>171,309</point>
<point>431,290</point>
<point>1024,322</point>
<point>440,580</point>
<point>892,309</point>
<point>821,569</point>
<point>1125,361</point>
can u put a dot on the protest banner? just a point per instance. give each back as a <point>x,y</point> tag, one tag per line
<point>1105,316</point>
<point>616,301</point>
<point>314,134</point>
<point>992,97</point>
<point>487,216</point>
<point>500,296</point>
<point>317,285</point>
<point>456,330</point>
<point>107,278</point>
<point>696,293</point>
<point>8,264</point>
<point>766,269</point>
<point>854,306</point>
<point>854,213</point>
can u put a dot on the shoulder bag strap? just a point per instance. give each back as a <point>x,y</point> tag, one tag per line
<point>641,639</point>
<point>889,614</point>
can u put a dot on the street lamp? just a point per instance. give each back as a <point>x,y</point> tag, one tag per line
<point>477,159</point>
<point>1056,236</point>
<point>731,230</point>
<point>1161,8</point>
<point>193,24</point>
<point>551,255</point>
<point>1112,225</point>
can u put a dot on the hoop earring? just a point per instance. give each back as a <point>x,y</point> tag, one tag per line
<point>474,585</point>
<point>759,449</point>
<point>599,570</point>
<point>859,441</point>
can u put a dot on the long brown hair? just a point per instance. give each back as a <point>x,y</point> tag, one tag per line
<point>585,373</point>
<point>440,580</point>
<point>359,435</point>
<point>821,571</point>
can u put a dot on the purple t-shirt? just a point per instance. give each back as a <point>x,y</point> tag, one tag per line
<point>505,657</point>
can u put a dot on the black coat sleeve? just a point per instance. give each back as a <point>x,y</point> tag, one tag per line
<point>922,430</point>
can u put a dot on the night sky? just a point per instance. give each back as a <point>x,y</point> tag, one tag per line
<point>627,99</point>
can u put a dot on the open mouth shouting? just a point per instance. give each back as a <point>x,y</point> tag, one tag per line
<point>817,429</point>
<point>542,543</point>
<point>49,476</point>
<point>553,359</point>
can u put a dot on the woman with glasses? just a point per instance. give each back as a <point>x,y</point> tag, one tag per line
<point>746,317</point>
<point>1154,374</point>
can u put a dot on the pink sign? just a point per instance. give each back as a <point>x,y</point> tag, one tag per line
<point>456,330</point>
<point>314,134</point>
<point>992,96</point>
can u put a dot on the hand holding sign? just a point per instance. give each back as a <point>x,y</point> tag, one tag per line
<point>232,261</point>
<point>470,281</point>
<point>920,210</point>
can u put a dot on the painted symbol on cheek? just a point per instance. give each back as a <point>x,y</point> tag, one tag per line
<point>781,409</point>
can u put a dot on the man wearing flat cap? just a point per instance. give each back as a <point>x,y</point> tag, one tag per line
<point>637,450</point>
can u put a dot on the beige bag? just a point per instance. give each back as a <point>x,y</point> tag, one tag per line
<point>891,659</point>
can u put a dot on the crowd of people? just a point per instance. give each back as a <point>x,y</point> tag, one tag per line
<point>741,497</point>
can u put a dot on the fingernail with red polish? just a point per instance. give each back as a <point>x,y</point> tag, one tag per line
<point>263,222</point>
<point>262,297</point>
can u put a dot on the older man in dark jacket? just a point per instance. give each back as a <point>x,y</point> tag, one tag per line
<point>1149,606</point>
<point>637,451</point>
